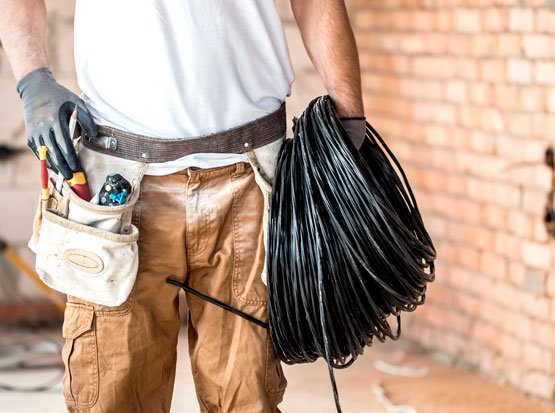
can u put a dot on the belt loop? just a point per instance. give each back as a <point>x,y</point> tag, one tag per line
<point>239,168</point>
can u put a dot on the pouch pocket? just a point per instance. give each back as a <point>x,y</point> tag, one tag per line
<point>264,161</point>
<point>89,263</point>
<point>87,250</point>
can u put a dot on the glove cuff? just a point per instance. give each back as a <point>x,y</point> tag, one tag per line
<point>356,129</point>
<point>37,75</point>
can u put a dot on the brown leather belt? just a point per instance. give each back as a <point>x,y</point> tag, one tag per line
<point>239,139</point>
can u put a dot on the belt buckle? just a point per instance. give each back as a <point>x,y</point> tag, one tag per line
<point>106,142</point>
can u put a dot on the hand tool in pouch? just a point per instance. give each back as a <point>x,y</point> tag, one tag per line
<point>78,182</point>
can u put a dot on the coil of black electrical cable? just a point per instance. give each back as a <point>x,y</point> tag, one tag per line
<point>347,246</point>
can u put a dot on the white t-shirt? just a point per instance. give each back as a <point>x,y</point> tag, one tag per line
<point>181,68</point>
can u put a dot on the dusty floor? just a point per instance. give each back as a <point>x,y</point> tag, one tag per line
<point>437,389</point>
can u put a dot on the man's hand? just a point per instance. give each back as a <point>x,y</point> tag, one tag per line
<point>47,107</point>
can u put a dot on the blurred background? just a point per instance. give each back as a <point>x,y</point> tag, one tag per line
<point>464,93</point>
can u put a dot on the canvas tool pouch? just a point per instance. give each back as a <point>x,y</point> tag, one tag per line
<point>84,249</point>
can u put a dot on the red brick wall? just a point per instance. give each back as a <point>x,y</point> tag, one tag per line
<point>463,90</point>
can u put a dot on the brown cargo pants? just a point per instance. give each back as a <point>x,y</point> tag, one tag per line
<point>202,226</point>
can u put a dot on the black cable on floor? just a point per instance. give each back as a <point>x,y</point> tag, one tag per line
<point>347,246</point>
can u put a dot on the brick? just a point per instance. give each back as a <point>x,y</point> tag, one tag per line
<point>444,20</point>
<point>422,20</point>
<point>442,113</point>
<point>534,99</point>
<point>504,294</point>
<point>456,91</point>
<point>550,285</point>
<point>435,67</point>
<point>517,271</point>
<point>495,19</point>
<point>533,282</point>
<point>507,45</point>
<point>537,307</point>
<point>539,384</point>
<point>467,257</point>
<point>493,313</point>
<point>536,255</point>
<point>493,265</point>
<point>520,224</point>
<point>545,73</point>
<point>484,45</point>
<point>533,201</point>
<point>435,43</point>
<point>537,46</point>
<point>540,231</point>
<point>483,332</point>
<point>506,96</point>
<point>470,116</point>
<point>510,347</point>
<point>414,43</point>
<point>545,21</point>
<point>492,70</point>
<point>481,94</point>
<point>514,322</point>
<point>519,71</point>
<point>459,44</point>
<point>482,142</point>
<point>537,358</point>
<point>508,245</point>
<point>543,125</point>
<point>467,69</point>
<point>521,20</point>
<point>494,216</point>
<point>421,89</point>
<point>468,21</point>
<point>509,148</point>
<point>437,135</point>
<point>551,100</point>
<point>542,333</point>
<point>519,124</point>
<point>399,20</point>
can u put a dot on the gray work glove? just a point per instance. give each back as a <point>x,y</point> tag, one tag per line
<point>47,108</point>
<point>355,128</point>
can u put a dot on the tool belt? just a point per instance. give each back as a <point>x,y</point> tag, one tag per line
<point>240,139</point>
<point>89,250</point>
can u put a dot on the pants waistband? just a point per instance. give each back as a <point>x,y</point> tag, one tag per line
<point>240,139</point>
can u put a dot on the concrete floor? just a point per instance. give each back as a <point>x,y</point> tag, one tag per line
<point>439,389</point>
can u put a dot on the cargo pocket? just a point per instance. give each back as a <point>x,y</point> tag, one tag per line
<point>80,357</point>
<point>248,243</point>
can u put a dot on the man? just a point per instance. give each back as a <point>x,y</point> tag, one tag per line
<point>155,70</point>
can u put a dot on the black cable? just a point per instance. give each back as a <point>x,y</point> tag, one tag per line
<point>217,302</point>
<point>347,246</point>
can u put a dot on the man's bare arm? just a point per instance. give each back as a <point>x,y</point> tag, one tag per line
<point>23,34</point>
<point>330,44</point>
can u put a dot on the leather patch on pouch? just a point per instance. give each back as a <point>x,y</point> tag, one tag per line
<point>84,260</point>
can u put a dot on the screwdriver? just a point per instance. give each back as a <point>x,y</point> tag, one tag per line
<point>78,181</point>
<point>45,195</point>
